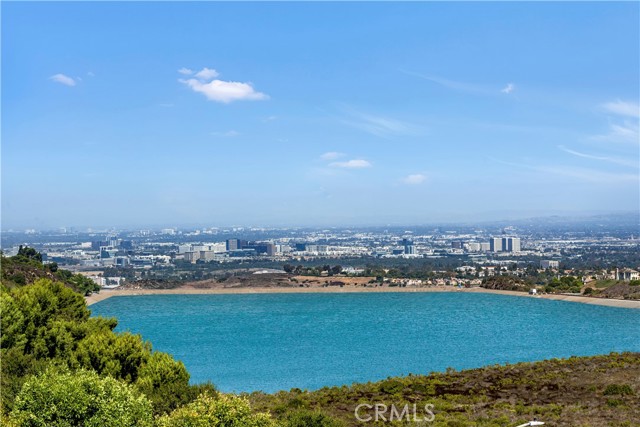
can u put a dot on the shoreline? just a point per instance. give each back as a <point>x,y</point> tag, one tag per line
<point>108,293</point>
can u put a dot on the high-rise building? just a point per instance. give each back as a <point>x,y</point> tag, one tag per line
<point>495,244</point>
<point>184,248</point>
<point>232,244</point>
<point>473,246</point>
<point>271,249</point>
<point>98,244</point>
<point>409,249</point>
<point>513,244</point>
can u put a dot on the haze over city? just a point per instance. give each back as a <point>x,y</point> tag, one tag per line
<point>119,114</point>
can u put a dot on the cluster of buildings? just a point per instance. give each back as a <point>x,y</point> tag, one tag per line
<point>231,248</point>
<point>495,244</point>
<point>169,248</point>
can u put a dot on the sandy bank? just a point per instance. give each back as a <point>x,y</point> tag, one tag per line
<point>104,294</point>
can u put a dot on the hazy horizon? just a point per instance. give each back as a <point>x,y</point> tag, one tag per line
<point>325,114</point>
<point>481,221</point>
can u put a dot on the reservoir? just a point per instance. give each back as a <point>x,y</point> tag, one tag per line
<point>274,342</point>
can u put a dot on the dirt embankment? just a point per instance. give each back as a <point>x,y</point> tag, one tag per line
<point>620,291</point>
<point>251,281</point>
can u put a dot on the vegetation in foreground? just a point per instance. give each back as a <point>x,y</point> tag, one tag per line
<point>580,391</point>
<point>27,267</point>
<point>60,367</point>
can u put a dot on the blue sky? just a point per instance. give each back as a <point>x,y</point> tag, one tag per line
<point>148,114</point>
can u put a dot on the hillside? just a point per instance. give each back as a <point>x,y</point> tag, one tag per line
<point>27,267</point>
<point>580,391</point>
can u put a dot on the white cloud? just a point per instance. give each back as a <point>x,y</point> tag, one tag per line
<point>414,179</point>
<point>206,74</point>
<point>63,79</point>
<point>331,155</point>
<point>220,90</point>
<point>352,164</point>
<point>90,74</point>
<point>185,71</point>
<point>623,108</point>
<point>227,134</point>
<point>225,92</point>
<point>508,88</point>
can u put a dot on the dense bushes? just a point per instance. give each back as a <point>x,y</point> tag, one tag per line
<point>60,367</point>
<point>27,267</point>
<point>307,418</point>
<point>63,398</point>
<point>46,323</point>
<point>568,284</point>
<point>220,411</point>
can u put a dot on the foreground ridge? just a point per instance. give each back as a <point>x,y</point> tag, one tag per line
<point>578,391</point>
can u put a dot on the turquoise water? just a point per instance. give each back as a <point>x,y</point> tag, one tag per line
<point>279,341</point>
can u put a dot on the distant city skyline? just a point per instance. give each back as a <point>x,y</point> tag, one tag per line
<point>272,114</point>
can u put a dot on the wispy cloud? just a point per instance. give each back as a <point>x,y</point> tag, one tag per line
<point>580,174</point>
<point>510,87</point>
<point>472,88</point>
<point>602,158</point>
<point>63,79</point>
<point>624,128</point>
<point>331,155</point>
<point>227,134</point>
<point>621,132</point>
<point>185,71</point>
<point>220,90</point>
<point>623,108</point>
<point>352,164</point>
<point>589,175</point>
<point>451,84</point>
<point>384,127</point>
<point>414,179</point>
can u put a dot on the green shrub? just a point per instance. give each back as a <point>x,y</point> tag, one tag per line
<point>618,389</point>
<point>164,381</point>
<point>224,410</point>
<point>306,418</point>
<point>614,403</point>
<point>65,399</point>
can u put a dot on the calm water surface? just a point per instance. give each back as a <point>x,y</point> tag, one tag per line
<point>272,342</point>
